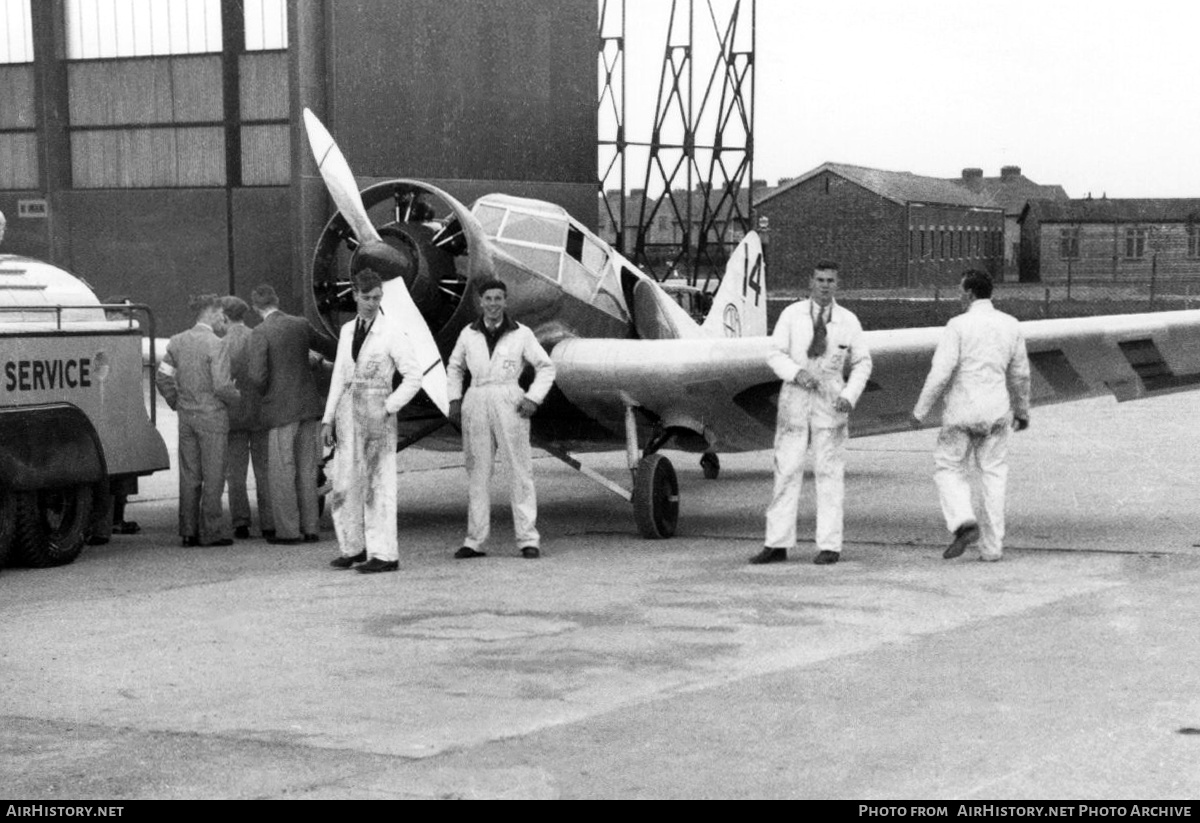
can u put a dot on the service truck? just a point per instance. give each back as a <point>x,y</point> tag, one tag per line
<point>77,411</point>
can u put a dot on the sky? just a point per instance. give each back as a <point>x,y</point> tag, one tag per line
<point>1099,97</point>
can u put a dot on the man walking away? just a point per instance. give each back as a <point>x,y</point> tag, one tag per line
<point>981,369</point>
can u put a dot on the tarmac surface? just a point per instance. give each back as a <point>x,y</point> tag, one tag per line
<point>615,667</point>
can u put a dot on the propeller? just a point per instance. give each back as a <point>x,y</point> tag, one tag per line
<point>393,264</point>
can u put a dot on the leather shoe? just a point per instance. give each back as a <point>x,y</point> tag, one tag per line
<point>283,541</point>
<point>242,532</point>
<point>769,555</point>
<point>268,534</point>
<point>376,565</point>
<point>964,535</point>
<point>466,552</point>
<point>312,538</point>
<point>826,557</point>
<point>347,560</point>
<point>530,552</point>
<point>190,542</point>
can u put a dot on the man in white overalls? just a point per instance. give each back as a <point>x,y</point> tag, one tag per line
<point>360,417</point>
<point>495,414</point>
<point>814,344</point>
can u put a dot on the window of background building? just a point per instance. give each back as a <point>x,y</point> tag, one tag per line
<point>1135,243</point>
<point>1068,248</point>
<point>16,32</point>
<point>140,28</point>
<point>1193,237</point>
<point>266,25</point>
<point>19,167</point>
<point>146,93</point>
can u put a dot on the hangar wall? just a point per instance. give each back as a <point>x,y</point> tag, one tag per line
<point>474,97</point>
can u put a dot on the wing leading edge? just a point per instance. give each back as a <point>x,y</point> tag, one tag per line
<point>722,389</point>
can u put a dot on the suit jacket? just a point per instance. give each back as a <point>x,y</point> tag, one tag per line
<point>194,376</point>
<point>246,413</point>
<point>281,369</point>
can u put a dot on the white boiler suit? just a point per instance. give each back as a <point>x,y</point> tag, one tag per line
<point>808,415</point>
<point>362,407</point>
<point>982,368</point>
<point>490,421</point>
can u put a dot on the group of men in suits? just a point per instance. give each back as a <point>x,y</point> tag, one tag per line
<point>246,396</point>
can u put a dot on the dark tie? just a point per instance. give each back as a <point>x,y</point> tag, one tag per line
<point>817,347</point>
<point>360,334</point>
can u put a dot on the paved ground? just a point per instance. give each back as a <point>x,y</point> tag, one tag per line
<point>620,668</point>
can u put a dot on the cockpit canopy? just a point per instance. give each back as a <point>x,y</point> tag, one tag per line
<point>551,243</point>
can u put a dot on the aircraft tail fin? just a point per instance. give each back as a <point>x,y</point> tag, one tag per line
<point>739,307</point>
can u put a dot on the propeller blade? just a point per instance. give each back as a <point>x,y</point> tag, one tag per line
<point>398,305</point>
<point>335,171</point>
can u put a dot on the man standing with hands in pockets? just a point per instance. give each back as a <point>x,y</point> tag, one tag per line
<point>815,341</point>
<point>360,418</point>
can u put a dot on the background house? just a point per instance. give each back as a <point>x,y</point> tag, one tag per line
<point>1110,240</point>
<point>886,229</point>
<point>1010,191</point>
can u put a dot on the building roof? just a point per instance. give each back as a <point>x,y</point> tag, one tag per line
<point>901,187</point>
<point>1117,210</point>
<point>1012,192</point>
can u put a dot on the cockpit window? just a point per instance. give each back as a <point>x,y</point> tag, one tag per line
<point>529,228</point>
<point>490,218</point>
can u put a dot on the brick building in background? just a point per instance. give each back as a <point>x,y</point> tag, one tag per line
<point>1110,240</point>
<point>886,229</point>
<point>1010,191</point>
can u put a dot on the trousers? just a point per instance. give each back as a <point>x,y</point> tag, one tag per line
<point>792,440</point>
<point>246,447</point>
<point>202,458</point>
<point>491,424</point>
<point>363,500</point>
<point>961,456</point>
<point>293,459</point>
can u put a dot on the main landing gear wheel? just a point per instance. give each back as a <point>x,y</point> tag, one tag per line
<point>8,526</point>
<point>711,464</point>
<point>52,525</point>
<point>656,497</point>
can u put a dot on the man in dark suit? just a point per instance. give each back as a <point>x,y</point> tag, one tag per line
<point>247,433</point>
<point>291,409</point>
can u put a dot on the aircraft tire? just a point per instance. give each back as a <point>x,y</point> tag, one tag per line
<point>711,464</point>
<point>51,525</point>
<point>656,497</point>
<point>8,526</point>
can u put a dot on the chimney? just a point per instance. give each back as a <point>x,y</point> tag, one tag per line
<point>973,179</point>
<point>1009,172</point>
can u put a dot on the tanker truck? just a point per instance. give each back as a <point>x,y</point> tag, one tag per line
<point>77,412</point>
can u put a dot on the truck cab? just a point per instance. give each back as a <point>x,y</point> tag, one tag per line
<point>76,411</point>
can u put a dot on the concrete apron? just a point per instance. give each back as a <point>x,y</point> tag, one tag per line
<point>676,666</point>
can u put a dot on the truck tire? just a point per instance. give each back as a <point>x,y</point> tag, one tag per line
<point>8,526</point>
<point>52,525</point>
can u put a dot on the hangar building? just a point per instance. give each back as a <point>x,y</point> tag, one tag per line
<point>157,149</point>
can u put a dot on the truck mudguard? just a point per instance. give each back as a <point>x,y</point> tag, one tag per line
<point>48,446</point>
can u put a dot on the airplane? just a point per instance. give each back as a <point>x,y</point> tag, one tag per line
<point>633,367</point>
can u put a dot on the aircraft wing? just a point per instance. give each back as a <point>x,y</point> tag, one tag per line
<point>722,388</point>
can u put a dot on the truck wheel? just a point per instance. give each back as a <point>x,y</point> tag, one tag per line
<point>8,526</point>
<point>52,525</point>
